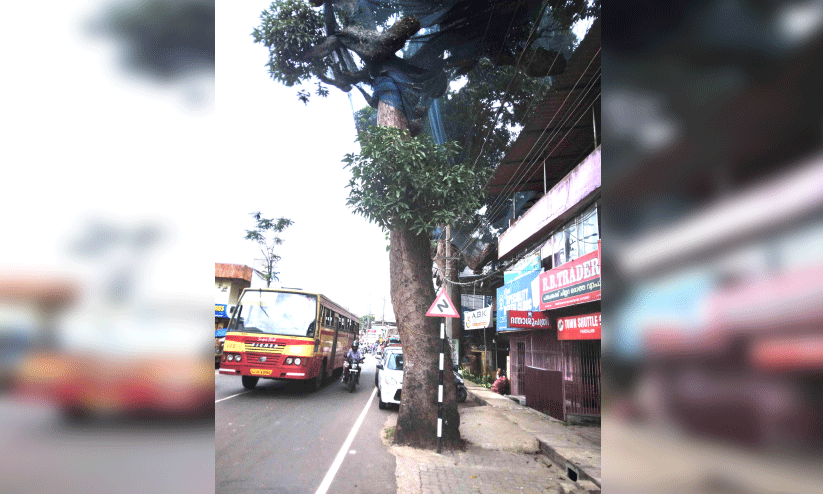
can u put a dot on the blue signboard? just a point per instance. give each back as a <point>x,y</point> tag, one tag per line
<point>220,310</point>
<point>527,265</point>
<point>520,294</point>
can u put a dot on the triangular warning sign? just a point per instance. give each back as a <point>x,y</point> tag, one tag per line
<point>442,306</point>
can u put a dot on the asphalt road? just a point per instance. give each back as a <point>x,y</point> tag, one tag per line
<point>44,454</point>
<point>281,438</point>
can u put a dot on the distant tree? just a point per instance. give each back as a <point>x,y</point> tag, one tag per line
<point>265,234</point>
<point>366,321</point>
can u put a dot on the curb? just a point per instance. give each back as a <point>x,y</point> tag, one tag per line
<point>572,469</point>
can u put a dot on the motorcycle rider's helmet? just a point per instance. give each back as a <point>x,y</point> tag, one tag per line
<point>354,345</point>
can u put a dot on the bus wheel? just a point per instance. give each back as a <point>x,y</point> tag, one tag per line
<point>250,382</point>
<point>318,381</point>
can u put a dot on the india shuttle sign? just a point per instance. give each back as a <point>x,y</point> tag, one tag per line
<point>573,283</point>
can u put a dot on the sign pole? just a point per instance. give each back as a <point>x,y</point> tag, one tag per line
<point>440,388</point>
<point>441,307</point>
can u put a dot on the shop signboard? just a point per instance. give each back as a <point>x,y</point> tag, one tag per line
<point>478,319</point>
<point>520,294</point>
<point>582,327</point>
<point>527,265</point>
<point>220,310</point>
<point>573,283</point>
<point>528,319</point>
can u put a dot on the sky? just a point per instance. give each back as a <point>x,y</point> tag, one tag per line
<point>94,149</point>
<point>88,143</point>
<point>92,146</point>
<point>283,158</point>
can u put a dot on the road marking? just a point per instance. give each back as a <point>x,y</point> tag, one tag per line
<point>232,396</point>
<point>324,486</point>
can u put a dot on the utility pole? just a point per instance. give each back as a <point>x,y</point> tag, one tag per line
<point>454,327</point>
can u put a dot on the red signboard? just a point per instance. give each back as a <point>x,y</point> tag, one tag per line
<point>575,282</point>
<point>528,319</point>
<point>582,327</point>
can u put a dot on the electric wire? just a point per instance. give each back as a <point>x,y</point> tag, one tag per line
<point>496,206</point>
<point>477,223</point>
<point>510,184</point>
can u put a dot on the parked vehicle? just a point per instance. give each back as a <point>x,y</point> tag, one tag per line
<point>389,350</point>
<point>391,379</point>
<point>462,392</point>
<point>352,374</point>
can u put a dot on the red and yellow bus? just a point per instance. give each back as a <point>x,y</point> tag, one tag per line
<point>287,334</point>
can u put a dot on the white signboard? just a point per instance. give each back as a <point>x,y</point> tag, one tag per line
<point>478,319</point>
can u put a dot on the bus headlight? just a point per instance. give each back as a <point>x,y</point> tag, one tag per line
<point>297,361</point>
<point>289,360</point>
<point>237,358</point>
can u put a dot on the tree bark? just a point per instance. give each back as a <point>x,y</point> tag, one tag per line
<point>412,293</point>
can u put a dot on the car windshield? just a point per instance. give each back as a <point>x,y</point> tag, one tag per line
<point>291,314</point>
<point>395,361</point>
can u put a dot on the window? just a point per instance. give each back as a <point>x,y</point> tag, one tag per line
<point>395,361</point>
<point>578,237</point>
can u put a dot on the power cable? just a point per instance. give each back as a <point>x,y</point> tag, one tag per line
<point>510,185</point>
<point>503,103</point>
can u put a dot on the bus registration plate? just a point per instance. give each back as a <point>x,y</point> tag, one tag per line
<point>261,372</point>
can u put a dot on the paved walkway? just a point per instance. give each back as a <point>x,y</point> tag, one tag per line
<point>503,454</point>
<point>575,448</point>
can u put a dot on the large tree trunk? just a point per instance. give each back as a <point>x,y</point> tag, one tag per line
<point>412,293</point>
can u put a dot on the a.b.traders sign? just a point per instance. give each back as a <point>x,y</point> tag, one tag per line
<point>575,282</point>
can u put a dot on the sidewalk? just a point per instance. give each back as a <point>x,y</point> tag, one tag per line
<point>567,446</point>
<point>503,453</point>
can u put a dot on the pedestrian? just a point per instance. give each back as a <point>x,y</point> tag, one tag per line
<point>501,384</point>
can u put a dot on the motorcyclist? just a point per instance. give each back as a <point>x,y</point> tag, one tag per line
<point>352,355</point>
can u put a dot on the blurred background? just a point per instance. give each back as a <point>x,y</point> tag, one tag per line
<point>713,275</point>
<point>105,275</point>
<point>713,164</point>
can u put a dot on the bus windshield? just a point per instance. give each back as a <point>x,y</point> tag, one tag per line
<point>291,314</point>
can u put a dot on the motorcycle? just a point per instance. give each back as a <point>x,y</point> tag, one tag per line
<point>352,374</point>
<point>462,392</point>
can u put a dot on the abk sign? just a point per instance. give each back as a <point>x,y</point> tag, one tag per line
<point>573,283</point>
<point>477,319</point>
<point>582,327</point>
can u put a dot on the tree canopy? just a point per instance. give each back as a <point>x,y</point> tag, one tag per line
<point>405,183</point>
<point>354,43</point>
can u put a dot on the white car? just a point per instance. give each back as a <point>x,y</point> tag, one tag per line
<point>391,379</point>
<point>382,360</point>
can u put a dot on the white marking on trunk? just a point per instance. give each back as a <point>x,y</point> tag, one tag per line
<point>440,393</point>
<point>439,427</point>
<point>441,361</point>
<point>335,466</point>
